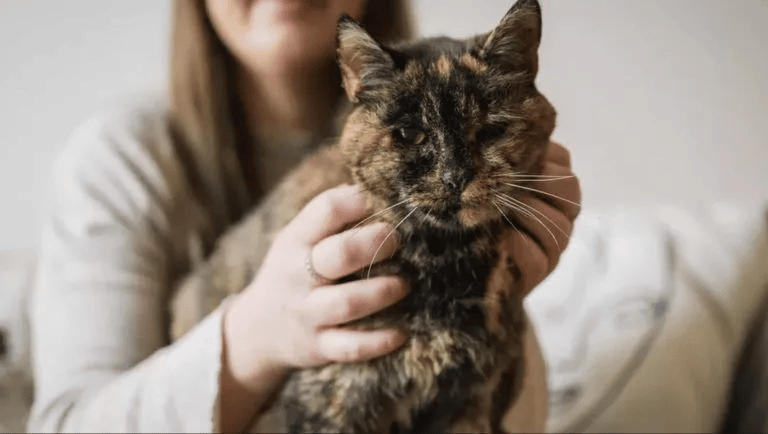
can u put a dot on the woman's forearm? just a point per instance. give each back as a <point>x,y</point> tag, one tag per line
<point>242,401</point>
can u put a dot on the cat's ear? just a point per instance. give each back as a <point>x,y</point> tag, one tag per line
<point>513,45</point>
<point>365,65</point>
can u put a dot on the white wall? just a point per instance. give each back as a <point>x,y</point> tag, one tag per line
<point>659,100</point>
<point>58,61</point>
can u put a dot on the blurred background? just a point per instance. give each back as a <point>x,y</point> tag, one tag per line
<point>658,100</point>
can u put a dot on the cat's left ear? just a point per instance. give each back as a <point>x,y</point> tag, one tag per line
<point>513,45</point>
<point>365,65</point>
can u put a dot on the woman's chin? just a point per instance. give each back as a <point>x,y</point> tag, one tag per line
<point>277,36</point>
<point>287,48</point>
<point>288,10</point>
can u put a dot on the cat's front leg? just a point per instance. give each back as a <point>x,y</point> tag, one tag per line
<point>418,388</point>
<point>491,399</point>
<point>337,398</point>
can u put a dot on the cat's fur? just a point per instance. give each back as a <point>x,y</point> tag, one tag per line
<point>443,123</point>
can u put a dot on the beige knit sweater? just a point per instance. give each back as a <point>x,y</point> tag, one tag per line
<point>121,228</point>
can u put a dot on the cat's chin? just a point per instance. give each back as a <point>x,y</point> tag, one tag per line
<point>473,217</point>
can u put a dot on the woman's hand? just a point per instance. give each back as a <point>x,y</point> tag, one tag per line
<point>546,218</point>
<point>288,317</point>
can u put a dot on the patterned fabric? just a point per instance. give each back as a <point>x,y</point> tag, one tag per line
<point>645,316</point>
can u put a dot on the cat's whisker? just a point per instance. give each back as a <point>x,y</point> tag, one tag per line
<point>536,190</point>
<point>531,215</point>
<point>370,266</point>
<point>532,208</point>
<point>571,239</point>
<point>512,205</point>
<point>425,218</point>
<point>526,174</point>
<point>505,216</point>
<point>557,178</point>
<point>356,228</point>
<point>532,178</point>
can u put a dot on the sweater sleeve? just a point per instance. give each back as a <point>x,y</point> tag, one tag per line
<point>98,307</point>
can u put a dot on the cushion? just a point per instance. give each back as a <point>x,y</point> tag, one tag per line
<point>644,318</point>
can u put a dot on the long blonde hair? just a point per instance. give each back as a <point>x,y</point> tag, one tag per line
<point>207,118</point>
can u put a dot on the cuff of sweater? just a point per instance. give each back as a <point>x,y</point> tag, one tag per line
<point>195,363</point>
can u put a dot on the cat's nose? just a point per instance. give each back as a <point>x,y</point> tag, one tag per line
<point>455,181</point>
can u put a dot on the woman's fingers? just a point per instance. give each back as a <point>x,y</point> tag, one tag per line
<point>530,259</point>
<point>558,186</point>
<point>334,255</point>
<point>545,207</point>
<point>559,155</point>
<point>328,213</point>
<point>339,304</point>
<point>345,345</point>
<point>341,254</point>
<point>547,224</point>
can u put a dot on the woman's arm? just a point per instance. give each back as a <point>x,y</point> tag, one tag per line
<point>529,413</point>
<point>98,306</point>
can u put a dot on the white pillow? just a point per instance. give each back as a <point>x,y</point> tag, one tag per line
<point>644,318</point>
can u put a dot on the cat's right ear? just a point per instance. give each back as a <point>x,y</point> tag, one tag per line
<point>364,63</point>
<point>513,45</point>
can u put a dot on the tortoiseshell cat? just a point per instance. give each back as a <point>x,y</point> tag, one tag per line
<point>437,126</point>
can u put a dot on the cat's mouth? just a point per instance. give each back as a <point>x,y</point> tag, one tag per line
<point>455,216</point>
<point>449,211</point>
<point>461,211</point>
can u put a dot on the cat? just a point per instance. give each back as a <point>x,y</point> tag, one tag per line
<point>438,134</point>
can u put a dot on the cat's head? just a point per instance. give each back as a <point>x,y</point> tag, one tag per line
<point>446,127</point>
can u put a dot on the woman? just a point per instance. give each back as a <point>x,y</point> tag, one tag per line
<point>142,193</point>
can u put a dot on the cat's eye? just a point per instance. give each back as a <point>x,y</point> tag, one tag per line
<point>490,132</point>
<point>410,135</point>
